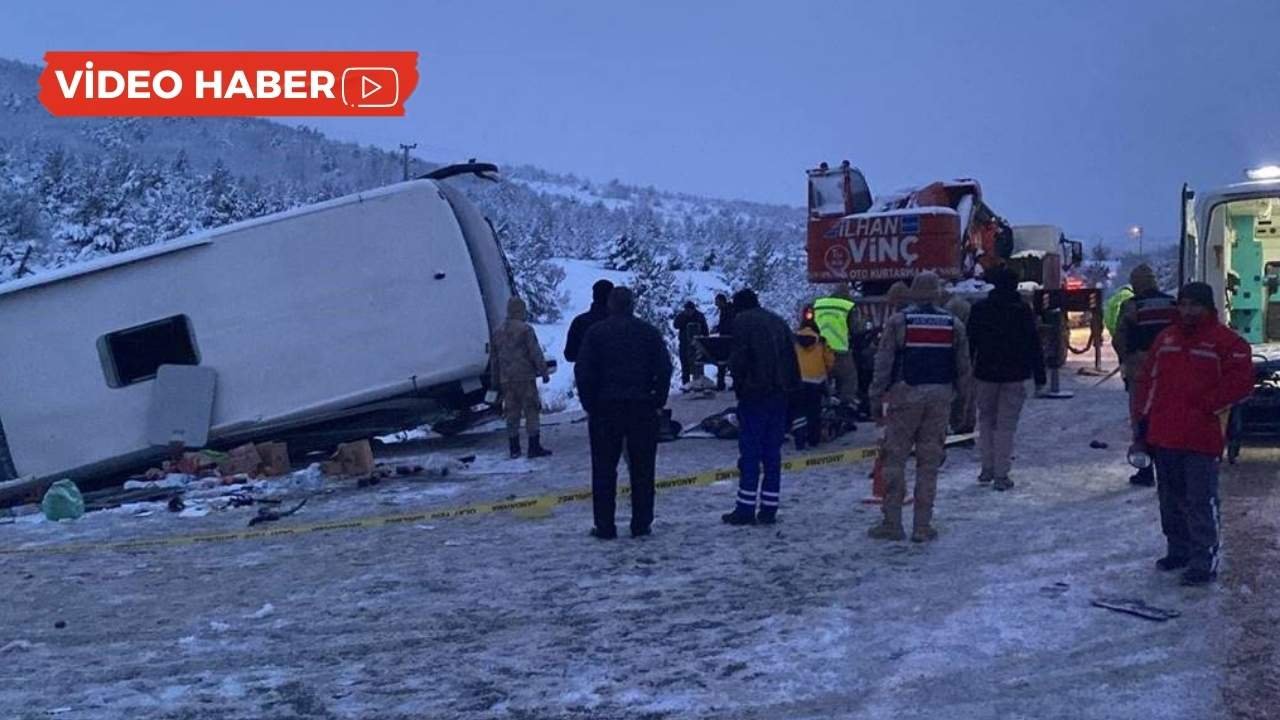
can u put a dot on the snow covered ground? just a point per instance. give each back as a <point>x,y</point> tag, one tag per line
<point>503,617</point>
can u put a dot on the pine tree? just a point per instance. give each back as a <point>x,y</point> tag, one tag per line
<point>623,254</point>
<point>656,293</point>
<point>537,279</point>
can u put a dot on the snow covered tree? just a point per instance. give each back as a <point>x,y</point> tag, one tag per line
<point>1096,271</point>
<point>624,253</point>
<point>656,293</point>
<point>223,202</point>
<point>537,279</point>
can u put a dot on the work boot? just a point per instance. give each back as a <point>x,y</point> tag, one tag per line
<point>1171,562</point>
<point>767,517</point>
<point>535,447</point>
<point>599,534</point>
<point>923,533</point>
<point>985,477</point>
<point>1002,484</point>
<point>1193,578</point>
<point>737,518</point>
<point>1146,477</point>
<point>515,447</point>
<point>885,531</point>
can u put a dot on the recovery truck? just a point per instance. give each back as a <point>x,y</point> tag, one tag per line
<point>945,227</point>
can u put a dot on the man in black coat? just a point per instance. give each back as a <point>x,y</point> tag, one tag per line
<point>624,377</point>
<point>582,323</point>
<point>765,373</point>
<point>1005,347</point>
<point>689,324</point>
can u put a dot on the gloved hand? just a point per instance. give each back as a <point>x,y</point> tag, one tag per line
<point>1140,432</point>
<point>546,379</point>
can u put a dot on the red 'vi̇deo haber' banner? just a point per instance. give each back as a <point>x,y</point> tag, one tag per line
<point>89,83</point>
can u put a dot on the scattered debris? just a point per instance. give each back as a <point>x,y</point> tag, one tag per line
<point>16,645</point>
<point>62,501</point>
<point>132,493</point>
<point>1098,445</point>
<point>310,480</point>
<point>60,624</point>
<point>265,610</point>
<point>1055,589</point>
<point>1134,606</point>
<point>265,515</point>
<point>219,626</point>
<point>176,504</point>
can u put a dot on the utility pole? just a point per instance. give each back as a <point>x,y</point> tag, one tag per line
<point>1135,232</point>
<point>406,149</point>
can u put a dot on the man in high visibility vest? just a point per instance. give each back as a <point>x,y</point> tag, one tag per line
<point>834,316</point>
<point>1111,311</point>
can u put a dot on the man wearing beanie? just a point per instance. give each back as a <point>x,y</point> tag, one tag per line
<point>1196,370</point>
<point>582,323</point>
<point>1142,317</point>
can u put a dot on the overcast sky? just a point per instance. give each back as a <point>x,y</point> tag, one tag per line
<point>1083,113</point>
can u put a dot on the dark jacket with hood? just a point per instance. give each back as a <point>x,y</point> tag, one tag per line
<point>690,323</point>
<point>583,322</point>
<point>763,360</point>
<point>622,359</point>
<point>1003,340</point>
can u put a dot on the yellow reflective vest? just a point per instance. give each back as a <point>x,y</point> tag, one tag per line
<point>832,316</point>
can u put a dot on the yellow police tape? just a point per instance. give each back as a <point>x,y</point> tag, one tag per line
<point>806,462</point>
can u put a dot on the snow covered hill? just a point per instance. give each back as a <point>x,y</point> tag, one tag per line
<point>72,189</point>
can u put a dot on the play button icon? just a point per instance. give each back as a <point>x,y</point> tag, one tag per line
<point>370,87</point>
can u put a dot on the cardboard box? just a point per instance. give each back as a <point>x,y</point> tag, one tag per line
<point>275,458</point>
<point>241,460</point>
<point>353,458</point>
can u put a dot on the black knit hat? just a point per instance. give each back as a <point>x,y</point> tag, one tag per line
<point>1199,293</point>
<point>600,291</point>
<point>745,299</point>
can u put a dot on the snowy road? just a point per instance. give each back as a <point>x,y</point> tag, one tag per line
<point>500,617</point>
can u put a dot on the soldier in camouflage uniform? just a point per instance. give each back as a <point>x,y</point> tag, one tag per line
<point>516,362</point>
<point>923,353</point>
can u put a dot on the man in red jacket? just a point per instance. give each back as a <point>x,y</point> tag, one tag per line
<point>1195,371</point>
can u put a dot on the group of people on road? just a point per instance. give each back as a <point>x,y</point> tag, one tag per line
<point>940,365</point>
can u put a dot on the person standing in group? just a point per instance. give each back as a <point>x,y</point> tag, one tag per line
<point>1196,370</point>
<point>765,374</point>
<point>923,352</point>
<point>1141,319</point>
<point>582,323</point>
<point>516,361</point>
<point>964,408</point>
<point>1004,345</point>
<point>624,378</point>
<point>689,324</point>
<point>835,319</point>
<point>724,326</point>
<point>1111,310</point>
<point>816,361</point>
